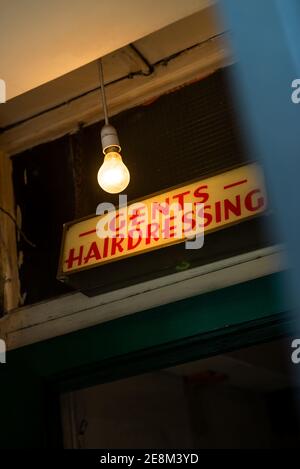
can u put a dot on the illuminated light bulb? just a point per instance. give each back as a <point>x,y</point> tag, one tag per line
<point>113,176</point>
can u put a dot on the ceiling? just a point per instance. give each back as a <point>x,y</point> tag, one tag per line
<point>180,53</point>
<point>41,41</point>
<point>156,46</point>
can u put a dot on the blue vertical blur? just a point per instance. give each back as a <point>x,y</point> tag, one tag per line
<point>265,38</point>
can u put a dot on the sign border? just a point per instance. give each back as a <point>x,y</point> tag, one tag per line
<point>61,275</point>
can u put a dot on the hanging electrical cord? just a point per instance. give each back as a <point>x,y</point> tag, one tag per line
<point>9,215</point>
<point>151,68</point>
<point>102,88</point>
<point>113,176</point>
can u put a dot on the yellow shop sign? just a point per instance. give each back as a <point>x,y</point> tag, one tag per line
<point>163,219</point>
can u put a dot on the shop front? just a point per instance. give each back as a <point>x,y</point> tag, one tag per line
<point>187,271</point>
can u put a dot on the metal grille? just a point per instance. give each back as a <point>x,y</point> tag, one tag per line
<point>189,133</point>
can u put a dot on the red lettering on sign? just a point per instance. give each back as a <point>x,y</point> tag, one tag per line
<point>168,228</point>
<point>254,204</point>
<point>180,198</point>
<point>238,183</point>
<point>152,232</point>
<point>136,218</point>
<point>230,207</point>
<point>202,193</point>
<point>117,245</point>
<point>105,247</point>
<point>188,218</point>
<point>218,212</point>
<point>133,242</point>
<point>160,208</point>
<point>93,253</point>
<point>116,227</point>
<point>207,216</point>
<point>72,258</point>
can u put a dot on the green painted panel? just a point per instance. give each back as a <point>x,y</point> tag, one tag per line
<point>214,312</point>
<point>31,380</point>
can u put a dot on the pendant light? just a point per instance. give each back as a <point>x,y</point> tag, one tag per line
<point>113,176</point>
